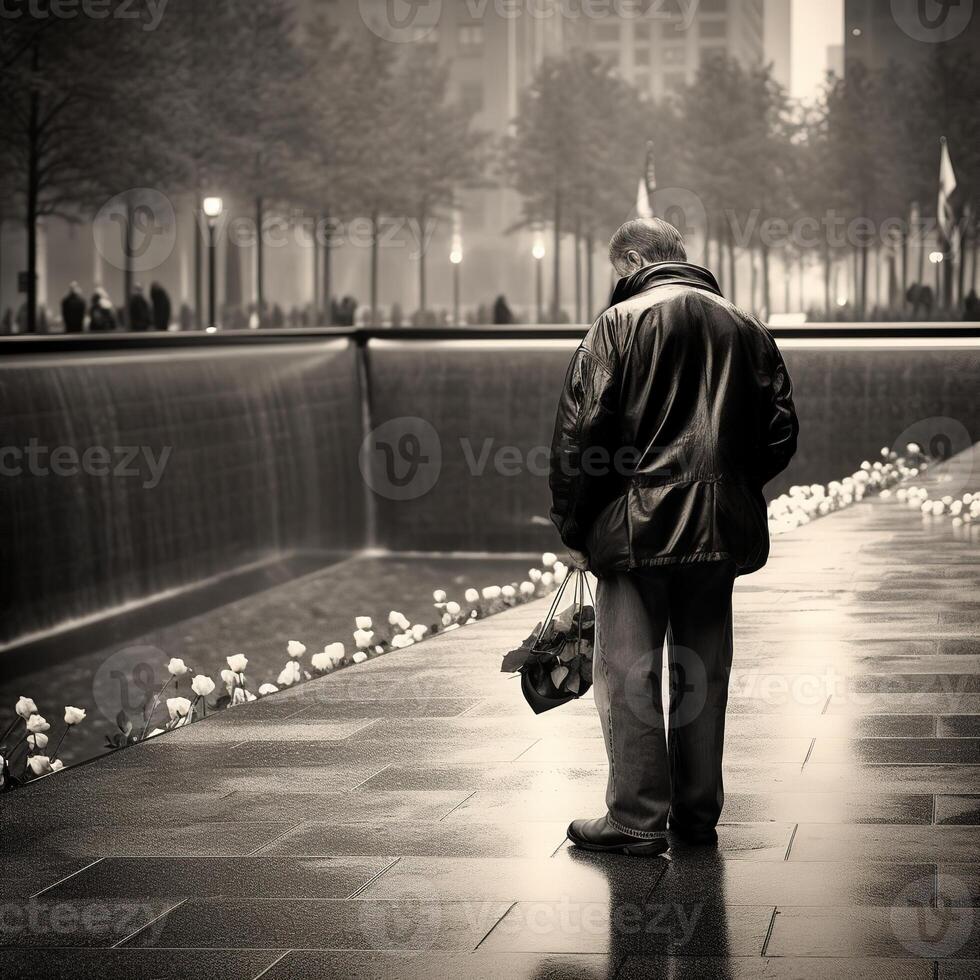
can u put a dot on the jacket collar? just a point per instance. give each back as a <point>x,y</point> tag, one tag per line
<point>664,274</point>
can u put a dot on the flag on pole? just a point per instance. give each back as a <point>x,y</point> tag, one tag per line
<point>947,185</point>
<point>648,184</point>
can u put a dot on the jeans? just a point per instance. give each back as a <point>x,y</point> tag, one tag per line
<point>653,778</point>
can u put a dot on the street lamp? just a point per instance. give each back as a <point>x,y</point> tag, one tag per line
<point>213,208</point>
<point>456,258</point>
<point>539,252</point>
<point>936,258</point>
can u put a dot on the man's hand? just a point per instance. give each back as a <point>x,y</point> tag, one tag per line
<point>578,559</point>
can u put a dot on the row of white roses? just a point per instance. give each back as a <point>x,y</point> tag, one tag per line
<point>181,710</point>
<point>36,739</point>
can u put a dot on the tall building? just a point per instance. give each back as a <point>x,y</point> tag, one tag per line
<point>879,31</point>
<point>778,40</point>
<point>660,51</point>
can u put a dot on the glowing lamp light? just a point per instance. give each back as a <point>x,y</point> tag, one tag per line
<point>539,251</point>
<point>211,330</point>
<point>456,255</point>
<point>213,206</point>
<point>936,257</point>
<point>842,301</point>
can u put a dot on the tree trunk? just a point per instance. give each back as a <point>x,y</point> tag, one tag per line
<point>733,287</point>
<point>828,273</point>
<point>423,286</point>
<point>259,257</point>
<point>589,298</point>
<point>375,261</point>
<point>973,278</point>
<point>33,191</point>
<point>327,275</point>
<point>902,300</point>
<point>863,291</point>
<point>753,282</point>
<point>556,268</point>
<point>578,274</point>
<point>128,255</point>
<point>766,284</point>
<point>316,278</point>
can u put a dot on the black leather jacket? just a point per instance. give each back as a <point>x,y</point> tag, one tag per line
<point>677,410</point>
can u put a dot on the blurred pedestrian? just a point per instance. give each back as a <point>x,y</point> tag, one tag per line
<point>971,306</point>
<point>101,314</point>
<point>502,314</point>
<point>140,314</point>
<point>161,307</point>
<point>73,310</point>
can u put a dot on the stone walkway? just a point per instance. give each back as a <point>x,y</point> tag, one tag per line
<point>406,818</point>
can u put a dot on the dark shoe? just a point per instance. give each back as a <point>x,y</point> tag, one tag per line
<point>706,837</point>
<point>599,835</point>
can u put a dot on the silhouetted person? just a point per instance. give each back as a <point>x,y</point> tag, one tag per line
<point>73,310</point>
<point>677,410</point>
<point>161,307</point>
<point>186,317</point>
<point>101,314</point>
<point>502,314</point>
<point>278,317</point>
<point>139,317</point>
<point>971,306</point>
<point>7,323</point>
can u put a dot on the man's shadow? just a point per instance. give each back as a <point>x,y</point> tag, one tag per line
<point>670,907</point>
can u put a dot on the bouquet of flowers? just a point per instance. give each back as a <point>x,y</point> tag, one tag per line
<point>555,661</point>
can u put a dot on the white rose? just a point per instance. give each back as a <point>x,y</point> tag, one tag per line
<point>37,724</point>
<point>336,652</point>
<point>295,649</point>
<point>268,689</point>
<point>56,765</point>
<point>238,663</point>
<point>446,619</point>
<point>472,595</point>
<point>321,661</point>
<point>419,631</point>
<point>491,592</point>
<point>74,716</point>
<point>548,559</point>
<point>561,573</point>
<point>202,685</point>
<point>547,579</point>
<point>508,592</point>
<point>360,657</point>
<point>439,596</point>
<point>534,574</point>
<point>399,620</point>
<point>230,678</point>
<point>914,448</point>
<point>40,764</point>
<point>453,608</point>
<point>528,588</point>
<point>178,707</point>
<point>241,696</point>
<point>362,638</point>
<point>25,708</point>
<point>402,640</point>
<point>363,623</point>
<point>177,667</point>
<point>292,673</point>
<point>39,741</point>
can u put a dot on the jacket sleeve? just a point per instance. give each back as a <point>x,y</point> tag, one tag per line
<point>584,442</point>
<point>781,426</point>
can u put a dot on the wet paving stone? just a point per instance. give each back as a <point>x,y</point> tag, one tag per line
<point>236,877</point>
<point>323,924</point>
<point>135,964</point>
<point>773,968</point>
<point>958,810</point>
<point>908,751</point>
<point>914,844</point>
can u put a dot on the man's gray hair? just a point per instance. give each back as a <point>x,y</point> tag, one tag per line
<point>655,240</point>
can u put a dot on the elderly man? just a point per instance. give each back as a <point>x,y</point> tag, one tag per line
<point>676,411</point>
